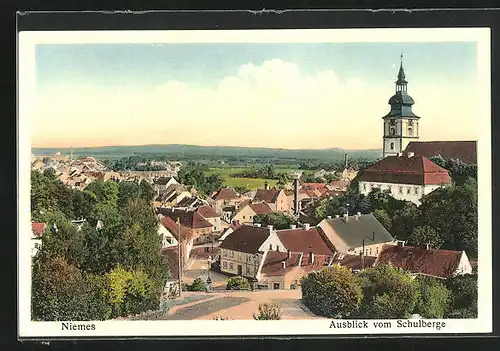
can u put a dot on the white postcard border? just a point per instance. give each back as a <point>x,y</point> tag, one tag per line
<point>26,83</point>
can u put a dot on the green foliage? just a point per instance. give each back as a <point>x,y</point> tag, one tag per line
<point>333,292</point>
<point>268,312</point>
<point>383,217</point>
<point>192,174</point>
<point>388,293</point>
<point>464,301</point>
<point>425,235</point>
<point>278,220</point>
<point>282,180</point>
<point>106,192</point>
<point>238,283</point>
<point>435,298</point>
<point>241,189</point>
<point>460,172</point>
<point>197,285</point>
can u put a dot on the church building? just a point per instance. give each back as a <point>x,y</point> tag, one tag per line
<point>400,124</point>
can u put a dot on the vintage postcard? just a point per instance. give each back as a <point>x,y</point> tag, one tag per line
<point>254,182</point>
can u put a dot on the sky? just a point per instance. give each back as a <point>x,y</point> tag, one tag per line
<point>290,95</point>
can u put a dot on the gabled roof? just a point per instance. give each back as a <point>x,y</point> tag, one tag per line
<point>436,263</point>
<point>317,264</point>
<point>188,202</point>
<point>246,239</point>
<point>225,194</point>
<point>273,263</point>
<point>266,195</point>
<point>189,219</point>
<point>313,185</point>
<point>417,170</point>
<point>465,151</point>
<point>173,228</point>
<point>207,212</point>
<point>352,231</point>
<point>261,208</point>
<point>163,180</point>
<point>38,228</point>
<point>305,241</point>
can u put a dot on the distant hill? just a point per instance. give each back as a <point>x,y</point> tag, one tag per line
<point>180,151</point>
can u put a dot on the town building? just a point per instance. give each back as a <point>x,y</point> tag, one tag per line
<point>350,235</point>
<point>211,216</point>
<point>179,234</point>
<point>162,183</point>
<point>247,212</point>
<point>275,198</point>
<point>464,151</point>
<point>435,263</point>
<point>173,195</point>
<point>400,124</point>
<point>168,232</point>
<point>223,198</point>
<point>37,230</point>
<point>405,177</point>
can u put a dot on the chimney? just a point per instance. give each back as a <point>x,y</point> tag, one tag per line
<point>345,160</point>
<point>258,225</point>
<point>358,214</point>
<point>329,217</point>
<point>400,154</point>
<point>283,264</point>
<point>306,226</point>
<point>311,257</point>
<point>270,227</point>
<point>296,196</point>
<point>288,254</point>
<point>427,246</point>
<point>401,243</point>
<point>266,185</point>
<point>293,226</point>
<point>337,216</point>
<point>411,154</point>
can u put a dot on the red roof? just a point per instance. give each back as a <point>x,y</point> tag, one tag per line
<point>437,263</point>
<point>189,219</point>
<point>225,194</point>
<point>465,151</point>
<point>305,241</point>
<point>313,185</point>
<point>38,228</point>
<point>342,183</point>
<point>273,263</point>
<point>207,212</point>
<point>406,170</point>
<point>246,239</point>
<point>173,228</point>
<point>261,208</point>
<point>266,195</point>
<point>318,263</point>
<point>354,261</point>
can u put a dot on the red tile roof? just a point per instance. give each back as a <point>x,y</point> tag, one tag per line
<point>406,170</point>
<point>437,263</point>
<point>173,228</point>
<point>341,183</point>
<point>273,265</point>
<point>354,261</point>
<point>313,185</point>
<point>225,194</point>
<point>246,239</point>
<point>465,151</point>
<point>267,195</point>
<point>207,212</point>
<point>261,208</point>
<point>318,263</point>
<point>38,228</point>
<point>304,241</point>
<point>189,219</point>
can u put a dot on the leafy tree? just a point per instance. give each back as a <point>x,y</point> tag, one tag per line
<point>197,285</point>
<point>282,180</point>
<point>106,192</point>
<point>435,298</point>
<point>423,235</point>
<point>268,312</point>
<point>388,293</point>
<point>383,217</point>
<point>278,220</point>
<point>333,292</point>
<point>147,192</point>
<point>192,174</point>
<point>404,220</point>
<point>464,296</point>
<point>330,177</point>
<point>238,283</point>
<point>241,189</point>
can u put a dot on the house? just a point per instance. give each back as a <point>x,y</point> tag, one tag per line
<point>275,198</point>
<point>162,183</point>
<point>176,232</point>
<point>405,177</point>
<point>37,230</point>
<point>231,228</point>
<point>191,203</point>
<point>174,194</point>
<point>243,251</point>
<point>199,229</point>
<point>465,151</point>
<point>350,234</point>
<point>306,240</point>
<point>223,198</point>
<point>210,215</point>
<point>246,213</point>
<point>436,263</point>
<point>312,186</point>
<point>339,185</point>
<point>348,174</point>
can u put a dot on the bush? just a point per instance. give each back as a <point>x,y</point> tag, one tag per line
<point>332,292</point>
<point>198,285</point>
<point>435,298</point>
<point>268,312</point>
<point>238,283</point>
<point>464,292</point>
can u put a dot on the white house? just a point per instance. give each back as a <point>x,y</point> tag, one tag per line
<point>406,177</point>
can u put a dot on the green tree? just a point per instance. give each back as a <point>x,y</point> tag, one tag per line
<point>278,220</point>
<point>388,293</point>
<point>333,292</point>
<point>425,235</point>
<point>238,283</point>
<point>464,296</point>
<point>282,180</point>
<point>106,192</point>
<point>405,219</point>
<point>268,312</point>
<point>383,217</point>
<point>435,298</point>
<point>198,285</point>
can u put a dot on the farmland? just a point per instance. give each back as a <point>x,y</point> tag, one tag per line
<point>249,183</point>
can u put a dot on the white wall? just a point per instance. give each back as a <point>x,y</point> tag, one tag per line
<point>165,234</point>
<point>274,241</point>
<point>464,266</point>
<point>410,192</point>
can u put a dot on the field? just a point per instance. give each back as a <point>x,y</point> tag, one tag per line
<point>249,183</point>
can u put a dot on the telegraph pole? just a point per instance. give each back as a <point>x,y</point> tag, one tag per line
<point>179,254</point>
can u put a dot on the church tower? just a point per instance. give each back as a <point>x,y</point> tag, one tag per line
<point>400,124</point>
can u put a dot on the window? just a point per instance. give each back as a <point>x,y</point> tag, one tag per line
<point>231,254</point>
<point>392,146</point>
<point>376,253</point>
<point>224,264</point>
<point>400,189</point>
<point>276,286</point>
<point>231,266</point>
<point>416,191</point>
<point>364,186</point>
<point>408,191</point>
<point>240,256</point>
<point>392,131</point>
<point>370,251</point>
<point>410,131</point>
<point>277,247</point>
<point>224,253</point>
<point>243,217</point>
